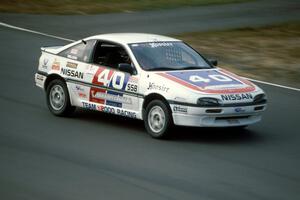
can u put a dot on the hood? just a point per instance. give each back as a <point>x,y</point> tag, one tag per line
<point>212,81</point>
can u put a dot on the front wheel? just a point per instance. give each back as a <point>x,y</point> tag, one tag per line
<point>58,100</point>
<point>158,119</point>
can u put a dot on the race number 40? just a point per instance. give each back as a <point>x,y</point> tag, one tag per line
<point>215,77</point>
<point>117,80</point>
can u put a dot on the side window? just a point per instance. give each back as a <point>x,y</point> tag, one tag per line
<point>110,55</point>
<point>81,52</point>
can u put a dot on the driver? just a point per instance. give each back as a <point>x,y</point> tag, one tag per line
<point>124,56</point>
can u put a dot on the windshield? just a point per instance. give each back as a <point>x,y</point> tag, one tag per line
<point>154,56</point>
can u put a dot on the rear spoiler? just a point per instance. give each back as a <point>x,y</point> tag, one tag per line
<point>51,49</point>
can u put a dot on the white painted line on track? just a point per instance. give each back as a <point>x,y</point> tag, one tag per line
<point>69,40</point>
<point>35,32</point>
<point>273,84</point>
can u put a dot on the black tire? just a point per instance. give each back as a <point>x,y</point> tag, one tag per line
<point>157,107</point>
<point>59,88</point>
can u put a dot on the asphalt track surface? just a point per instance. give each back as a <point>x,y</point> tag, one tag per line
<point>99,156</point>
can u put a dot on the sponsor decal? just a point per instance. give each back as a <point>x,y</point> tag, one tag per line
<point>72,57</point>
<point>110,110</point>
<point>81,91</point>
<point>97,93</point>
<point>72,73</point>
<point>180,109</point>
<point>90,69</point>
<point>113,101</point>
<point>126,113</point>
<point>132,87</point>
<point>40,77</point>
<point>90,106</point>
<point>155,44</point>
<point>239,110</point>
<point>210,81</point>
<point>85,58</point>
<point>45,63</point>
<point>106,109</point>
<point>71,65</point>
<point>236,97</point>
<point>133,79</point>
<point>96,98</point>
<point>82,95</point>
<point>74,51</point>
<point>79,88</point>
<point>56,65</point>
<point>153,86</point>
<point>180,99</point>
<point>160,44</point>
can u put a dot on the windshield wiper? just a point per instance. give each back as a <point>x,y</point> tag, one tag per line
<point>162,68</point>
<point>182,68</point>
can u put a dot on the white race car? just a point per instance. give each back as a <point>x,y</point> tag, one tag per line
<point>158,79</point>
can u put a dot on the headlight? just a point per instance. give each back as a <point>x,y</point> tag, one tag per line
<point>207,102</point>
<point>260,98</point>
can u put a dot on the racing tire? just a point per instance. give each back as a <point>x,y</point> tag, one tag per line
<point>58,98</point>
<point>158,119</point>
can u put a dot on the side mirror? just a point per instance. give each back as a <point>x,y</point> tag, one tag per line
<point>125,67</point>
<point>214,62</point>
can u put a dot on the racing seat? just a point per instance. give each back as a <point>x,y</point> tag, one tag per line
<point>113,59</point>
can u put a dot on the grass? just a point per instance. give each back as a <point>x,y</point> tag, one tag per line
<point>99,6</point>
<point>269,53</point>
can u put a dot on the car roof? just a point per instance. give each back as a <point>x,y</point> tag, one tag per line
<point>127,38</point>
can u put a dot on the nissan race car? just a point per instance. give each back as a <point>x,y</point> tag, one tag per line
<point>158,79</point>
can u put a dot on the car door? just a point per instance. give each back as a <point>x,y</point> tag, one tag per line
<point>113,91</point>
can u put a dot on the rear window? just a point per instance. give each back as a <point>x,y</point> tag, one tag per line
<point>81,52</point>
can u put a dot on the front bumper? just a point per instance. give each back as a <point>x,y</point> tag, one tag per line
<point>216,116</point>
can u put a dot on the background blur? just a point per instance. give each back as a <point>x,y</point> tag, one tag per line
<point>65,7</point>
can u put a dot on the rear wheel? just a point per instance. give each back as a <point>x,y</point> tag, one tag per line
<point>158,119</point>
<point>58,99</point>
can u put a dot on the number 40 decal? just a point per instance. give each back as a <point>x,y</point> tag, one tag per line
<point>117,79</point>
<point>216,77</point>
